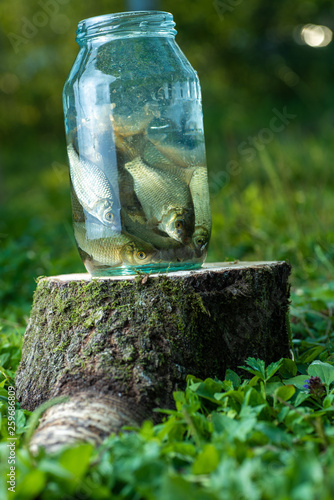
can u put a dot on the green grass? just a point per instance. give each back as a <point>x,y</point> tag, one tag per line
<point>279,207</point>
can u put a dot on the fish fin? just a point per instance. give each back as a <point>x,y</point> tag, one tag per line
<point>186,174</point>
<point>153,223</point>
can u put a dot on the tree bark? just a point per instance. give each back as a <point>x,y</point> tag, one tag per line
<point>119,346</point>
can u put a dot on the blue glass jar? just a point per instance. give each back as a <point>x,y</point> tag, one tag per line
<point>135,142</point>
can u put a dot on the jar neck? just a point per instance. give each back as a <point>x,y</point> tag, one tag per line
<point>126,25</point>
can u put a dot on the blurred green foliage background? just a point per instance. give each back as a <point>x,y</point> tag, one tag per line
<point>271,186</point>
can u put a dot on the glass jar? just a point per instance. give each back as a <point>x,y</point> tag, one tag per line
<point>135,142</point>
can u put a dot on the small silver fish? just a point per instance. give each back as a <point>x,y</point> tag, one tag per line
<point>200,195</point>
<point>165,199</point>
<point>168,249</point>
<point>136,225</point>
<point>92,188</point>
<point>115,250</point>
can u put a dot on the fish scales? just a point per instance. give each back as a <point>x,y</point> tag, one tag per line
<point>116,249</point>
<point>157,160</point>
<point>200,195</point>
<point>154,157</point>
<point>158,191</point>
<point>77,210</point>
<point>89,182</point>
<point>104,250</point>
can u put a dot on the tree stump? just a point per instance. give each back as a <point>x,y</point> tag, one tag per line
<point>119,346</point>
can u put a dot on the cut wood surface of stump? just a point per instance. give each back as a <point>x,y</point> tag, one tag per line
<point>119,346</point>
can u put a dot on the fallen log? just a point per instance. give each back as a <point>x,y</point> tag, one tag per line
<point>119,346</point>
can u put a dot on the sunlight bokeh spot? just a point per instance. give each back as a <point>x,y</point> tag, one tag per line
<point>316,36</point>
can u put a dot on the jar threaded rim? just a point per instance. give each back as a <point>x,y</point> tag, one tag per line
<point>127,24</point>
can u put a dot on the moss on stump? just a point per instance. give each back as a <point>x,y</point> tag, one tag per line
<point>134,339</point>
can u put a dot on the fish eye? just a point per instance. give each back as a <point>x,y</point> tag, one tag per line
<point>141,255</point>
<point>109,216</point>
<point>200,242</point>
<point>179,225</point>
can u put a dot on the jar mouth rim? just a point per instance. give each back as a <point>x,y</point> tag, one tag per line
<point>137,22</point>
